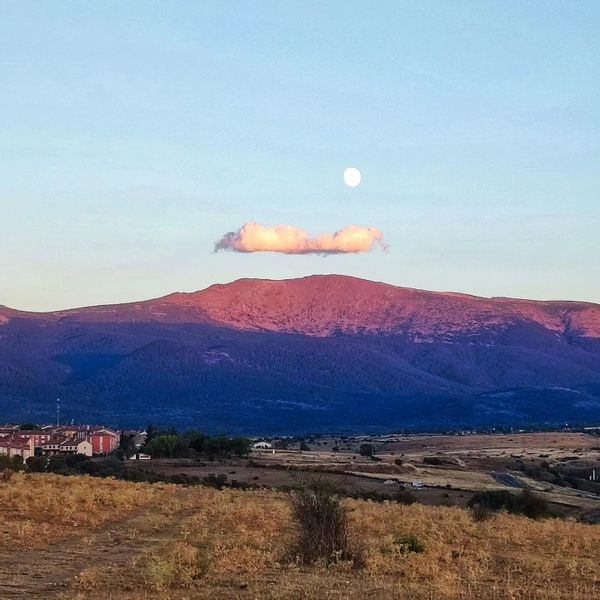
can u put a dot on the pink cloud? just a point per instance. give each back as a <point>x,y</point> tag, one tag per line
<point>254,237</point>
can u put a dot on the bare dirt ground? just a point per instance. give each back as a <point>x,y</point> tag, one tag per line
<point>557,443</point>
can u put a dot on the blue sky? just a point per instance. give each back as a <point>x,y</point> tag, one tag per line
<point>133,135</point>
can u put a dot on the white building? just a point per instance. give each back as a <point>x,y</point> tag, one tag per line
<point>67,446</point>
<point>262,446</point>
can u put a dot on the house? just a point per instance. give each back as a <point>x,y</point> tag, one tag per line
<point>35,437</point>
<point>262,446</point>
<point>10,446</point>
<point>103,441</point>
<point>139,438</point>
<point>67,445</point>
<point>6,429</point>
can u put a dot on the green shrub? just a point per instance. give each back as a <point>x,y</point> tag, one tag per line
<point>405,497</point>
<point>410,544</point>
<point>216,481</point>
<point>524,503</point>
<point>532,505</point>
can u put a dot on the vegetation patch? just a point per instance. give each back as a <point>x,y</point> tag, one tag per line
<point>524,503</point>
<point>322,524</point>
<point>410,544</point>
<point>180,566</point>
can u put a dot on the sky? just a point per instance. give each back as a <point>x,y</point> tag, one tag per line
<point>135,135</point>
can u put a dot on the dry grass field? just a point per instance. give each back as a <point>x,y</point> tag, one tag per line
<point>468,464</point>
<point>105,539</point>
<point>36,508</point>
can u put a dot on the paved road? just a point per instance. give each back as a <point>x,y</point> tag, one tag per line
<point>508,479</point>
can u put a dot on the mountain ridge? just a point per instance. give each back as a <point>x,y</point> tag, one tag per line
<point>244,303</point>
<point>325,353</point>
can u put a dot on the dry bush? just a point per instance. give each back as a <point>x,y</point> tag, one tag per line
<point>92,578</point>
<point>322,523</point>
<point>481,513</point>
<point>180,566</point>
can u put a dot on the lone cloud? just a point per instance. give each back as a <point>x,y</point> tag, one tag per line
<point>254,237</point>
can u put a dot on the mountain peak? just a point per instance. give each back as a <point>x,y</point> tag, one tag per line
<point>323,305</point>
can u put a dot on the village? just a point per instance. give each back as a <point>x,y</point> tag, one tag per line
<point>28,441</point>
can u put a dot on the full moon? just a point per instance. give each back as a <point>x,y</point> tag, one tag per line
<point>352,177</point>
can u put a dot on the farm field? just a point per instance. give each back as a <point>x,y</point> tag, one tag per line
<point>137,541</point>
<point>437,469</point>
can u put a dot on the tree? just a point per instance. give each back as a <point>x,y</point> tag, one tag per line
<point>127,446</point>
<point>366,450</point>
<point>149,432</point>
<point>37,464</point>
<point>196,440</point>
<point>29,427</point>
<point>16,463</point>
<point>162,446</point>
<point>240,446</point>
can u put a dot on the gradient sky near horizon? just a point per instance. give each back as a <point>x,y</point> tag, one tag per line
<point>133,135</point>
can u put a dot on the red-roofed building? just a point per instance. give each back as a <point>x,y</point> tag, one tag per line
<point>10,446</point>
<point>103,441</point>
<point>35,437</point>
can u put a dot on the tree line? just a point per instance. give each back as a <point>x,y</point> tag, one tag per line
<point>168,443</point>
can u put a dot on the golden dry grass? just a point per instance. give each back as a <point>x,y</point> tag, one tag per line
<point>233,544</point>
<point>38,508</point>
<point>241,539</point>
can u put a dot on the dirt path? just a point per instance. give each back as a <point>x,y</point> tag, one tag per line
<point>44,573</point>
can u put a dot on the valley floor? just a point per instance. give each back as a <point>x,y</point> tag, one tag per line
<point>78,537</point>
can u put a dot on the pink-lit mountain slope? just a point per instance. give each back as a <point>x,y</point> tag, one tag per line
<point>323,305</point>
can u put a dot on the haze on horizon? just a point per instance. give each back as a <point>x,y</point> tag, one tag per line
<point>135,135</point>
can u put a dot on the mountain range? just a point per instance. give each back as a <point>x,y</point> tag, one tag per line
<point>321,353</point>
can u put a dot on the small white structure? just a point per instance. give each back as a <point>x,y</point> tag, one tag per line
<point>417,484</point>
<point>262,446</point>
<point>389,482</point>
<point>140,456</point>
